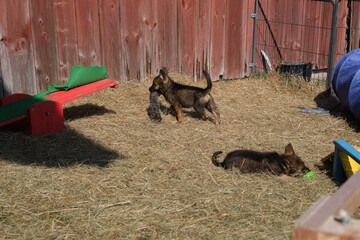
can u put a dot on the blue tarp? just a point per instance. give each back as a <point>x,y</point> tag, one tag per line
<point>346,82</point>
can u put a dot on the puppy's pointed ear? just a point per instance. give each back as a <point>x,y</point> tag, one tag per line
<point>163,75</point>
<point>289,151</point>
<point>165,70</point>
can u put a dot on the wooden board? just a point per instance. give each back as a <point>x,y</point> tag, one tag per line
<point>2,89</point>
<point>246,29</point>
<point>167,39</point>
<point>60,97</point>
<point>132,39</point>
<point>186,37</point>
<point>233,32</point>
<point>217,40</point>
<point>88,33</point>
<point>355,26</point>
<point>66,37</point>
<point>340,48</point>
<point>202,38</point>
<point>81,91</point>
<point>150,27</point>
<point>45,43</point>
<point>323,220</point>
<point>40,40</point>
<point>319,221</point>
<point>16,48</point>
<point>111,42</point>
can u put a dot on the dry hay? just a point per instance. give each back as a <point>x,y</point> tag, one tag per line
<point>115,174</point>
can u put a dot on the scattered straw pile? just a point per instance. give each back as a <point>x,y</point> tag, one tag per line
<point>115,174</point>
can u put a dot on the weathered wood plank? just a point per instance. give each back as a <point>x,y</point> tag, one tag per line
<point>260,38</point>
<point>66,37</point>
<point>312,16</point>
<point>2,89</point>
<point>355,26</point>
<point>249,29</point>
<point>319,221</point>
<point>340,48</point>
<point>111,38</point>
<point>42,39</point>
<point>285,31</point>
<point>233,33</point>
<point>132,39</point>
<point>149,25</point>
<point>186,35</point>
<point>297,30</point>
<point>246,29</point>
<point>88,33</point>
<point>16,48</point>
<point>324,35</point>
<point>217,44</point>
<point>271,39</point>
<point>202,38</point>
<point>45,43</point>
<point>168,31</point>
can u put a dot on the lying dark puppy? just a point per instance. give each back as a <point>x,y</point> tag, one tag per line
<point>248,161</point>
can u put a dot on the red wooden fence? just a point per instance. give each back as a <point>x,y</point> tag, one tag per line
<point>41,39</point>
<point>354,41</point>
<point>299,31</point>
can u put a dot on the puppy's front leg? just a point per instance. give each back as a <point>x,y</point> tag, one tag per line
<point>179,113</point>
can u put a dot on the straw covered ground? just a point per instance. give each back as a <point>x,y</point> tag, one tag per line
<point>114,174</point>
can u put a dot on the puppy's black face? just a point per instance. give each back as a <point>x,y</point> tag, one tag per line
<point>157,85</point>
<point>159,81</point>
<point>294,165</point>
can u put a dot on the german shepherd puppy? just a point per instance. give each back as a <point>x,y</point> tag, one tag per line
<point>182,96</point>
<point>248,161</point>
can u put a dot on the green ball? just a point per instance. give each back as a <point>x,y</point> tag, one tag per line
<point>309,175</point>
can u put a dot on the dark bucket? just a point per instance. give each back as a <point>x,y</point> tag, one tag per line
<point>303,70</point>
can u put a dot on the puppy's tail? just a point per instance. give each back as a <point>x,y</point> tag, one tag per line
<point>215,161</point>
<point>209,82</point>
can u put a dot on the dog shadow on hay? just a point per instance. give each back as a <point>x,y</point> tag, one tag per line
<point>85,110</point>
<point>328,101</point>
<point>55,150</point>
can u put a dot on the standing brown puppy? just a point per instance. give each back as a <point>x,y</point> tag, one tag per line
<point>183,96</point>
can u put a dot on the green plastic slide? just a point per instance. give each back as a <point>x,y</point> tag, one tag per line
<point>79,76</point>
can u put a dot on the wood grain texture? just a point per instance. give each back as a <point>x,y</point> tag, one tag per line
<point>45,43</point>
<point>88,32</point>
<point>2,89</point>
<point>132,39</point>
<point>66,37</point>
<point>217,40</point>
<point>319,221</point>
<point>168,35</point>
<point>150,27</point>
<point>355,26</point>
<point>202,38</point>
<point>111,44</point>
<point>233,33</point>
<point>42,39</point>
<point>186,35</point>
<point>340,48</point>
<point>16,48</point>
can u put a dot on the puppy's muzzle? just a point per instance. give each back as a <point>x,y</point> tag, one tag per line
<point>305,170</point>
<point>151,89</point>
